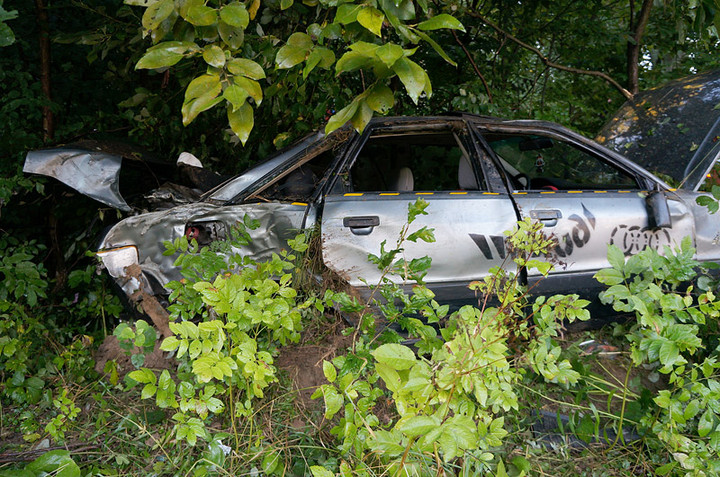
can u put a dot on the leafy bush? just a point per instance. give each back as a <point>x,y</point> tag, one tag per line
<point>675,331</point>
<point>451,398</point>
<point>229,316</point>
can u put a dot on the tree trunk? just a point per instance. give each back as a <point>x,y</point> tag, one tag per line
<point>637,30</point>
<point>47,114</point>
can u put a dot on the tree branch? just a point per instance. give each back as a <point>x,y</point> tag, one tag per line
<point>44,37</point>
<point>472,62</point>
<point>551,64</point>
<point>637,30</point>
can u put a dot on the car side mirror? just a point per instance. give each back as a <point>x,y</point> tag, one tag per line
<point>658,210</point>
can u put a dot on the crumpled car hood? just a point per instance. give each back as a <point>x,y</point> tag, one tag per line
<point>93,173</point>
<point>673,130</point>
<point>96,167</point>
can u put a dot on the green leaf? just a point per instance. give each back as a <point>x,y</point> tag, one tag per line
<point>669,353</point>
<point>164,54</point>
<point>170,344</point>
<point>251,86</point>
<point>365,48</point>
<point>327,57</point>
<point>247,68</point>
<point>706,423</point>
<point>6,15</point>
<point>329,371</point>
<point>500,471</point>
<point>389,53</point>
<point>214,56</point>
<point>300,40</point>
<point>232,36</point>
<point>390,376</point>
<point>395,355</point>
<point>347,13</point>
<point>201,15</point>
<point>351,61</point>
<point>270,462</point>
<point>412,76</point>
<point>312,61</point>
<point>333,400</point>
<point>521,464</point>
<point>398,10</point>
<point>709,202</point>
<point>363,115</point>
<point>691,409</point>
<point>425,234</point>
<point>372,19</point>
<point>610,276</point>
<point>235,95</point>
<point>438,49</point>
<point>148,391</point>
<point>56,462</point>
<point>156,13</point>
<point>616,257</point>
<point>289,56</point>
<point>381,99</point>
<point>201,94</point>
<point>413,426</point>
<point>341,117</point>
<point>318,471</point>
<point>387,442</point>
<point>285,4</point>
<point>7,37</point>
<point>143,375</point>
<point>666,469</point>
<point>441,21</point>
<point>235,14</point>
<point>241,121</point>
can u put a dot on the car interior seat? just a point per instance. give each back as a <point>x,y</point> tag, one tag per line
<point>404,181</point>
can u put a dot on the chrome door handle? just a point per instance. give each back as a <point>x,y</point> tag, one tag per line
<point>549,217</point>
<point>361,225</point>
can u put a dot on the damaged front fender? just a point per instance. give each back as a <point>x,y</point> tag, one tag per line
<point>147,233</point>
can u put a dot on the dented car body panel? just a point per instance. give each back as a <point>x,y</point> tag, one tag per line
<point>478,174</point>
<point>148,232</point>
<point>95,174</point>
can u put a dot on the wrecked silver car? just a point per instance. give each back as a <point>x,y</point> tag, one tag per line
<point>479,175</point>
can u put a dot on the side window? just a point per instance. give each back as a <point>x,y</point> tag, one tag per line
<point>538,162</point>
<point>412,161</point>
<point>300,181</point>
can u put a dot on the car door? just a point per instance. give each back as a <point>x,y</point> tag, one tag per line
<point>392,165</point>
<point>586,201</point>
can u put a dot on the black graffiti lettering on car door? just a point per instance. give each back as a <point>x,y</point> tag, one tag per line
<point>579,235</point>
<point>633,239</point>
<point>482,242</point>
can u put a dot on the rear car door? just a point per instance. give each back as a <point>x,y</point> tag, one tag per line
<point>586,201</point>
<point>392,165</point>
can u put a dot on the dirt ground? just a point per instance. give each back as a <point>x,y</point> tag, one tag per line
<point>303,363</point>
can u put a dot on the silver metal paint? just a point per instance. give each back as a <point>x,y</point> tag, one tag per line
<point>93,173</point>
<point>455,256</point>
<point>278,223</point>
<point>590,221</point>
